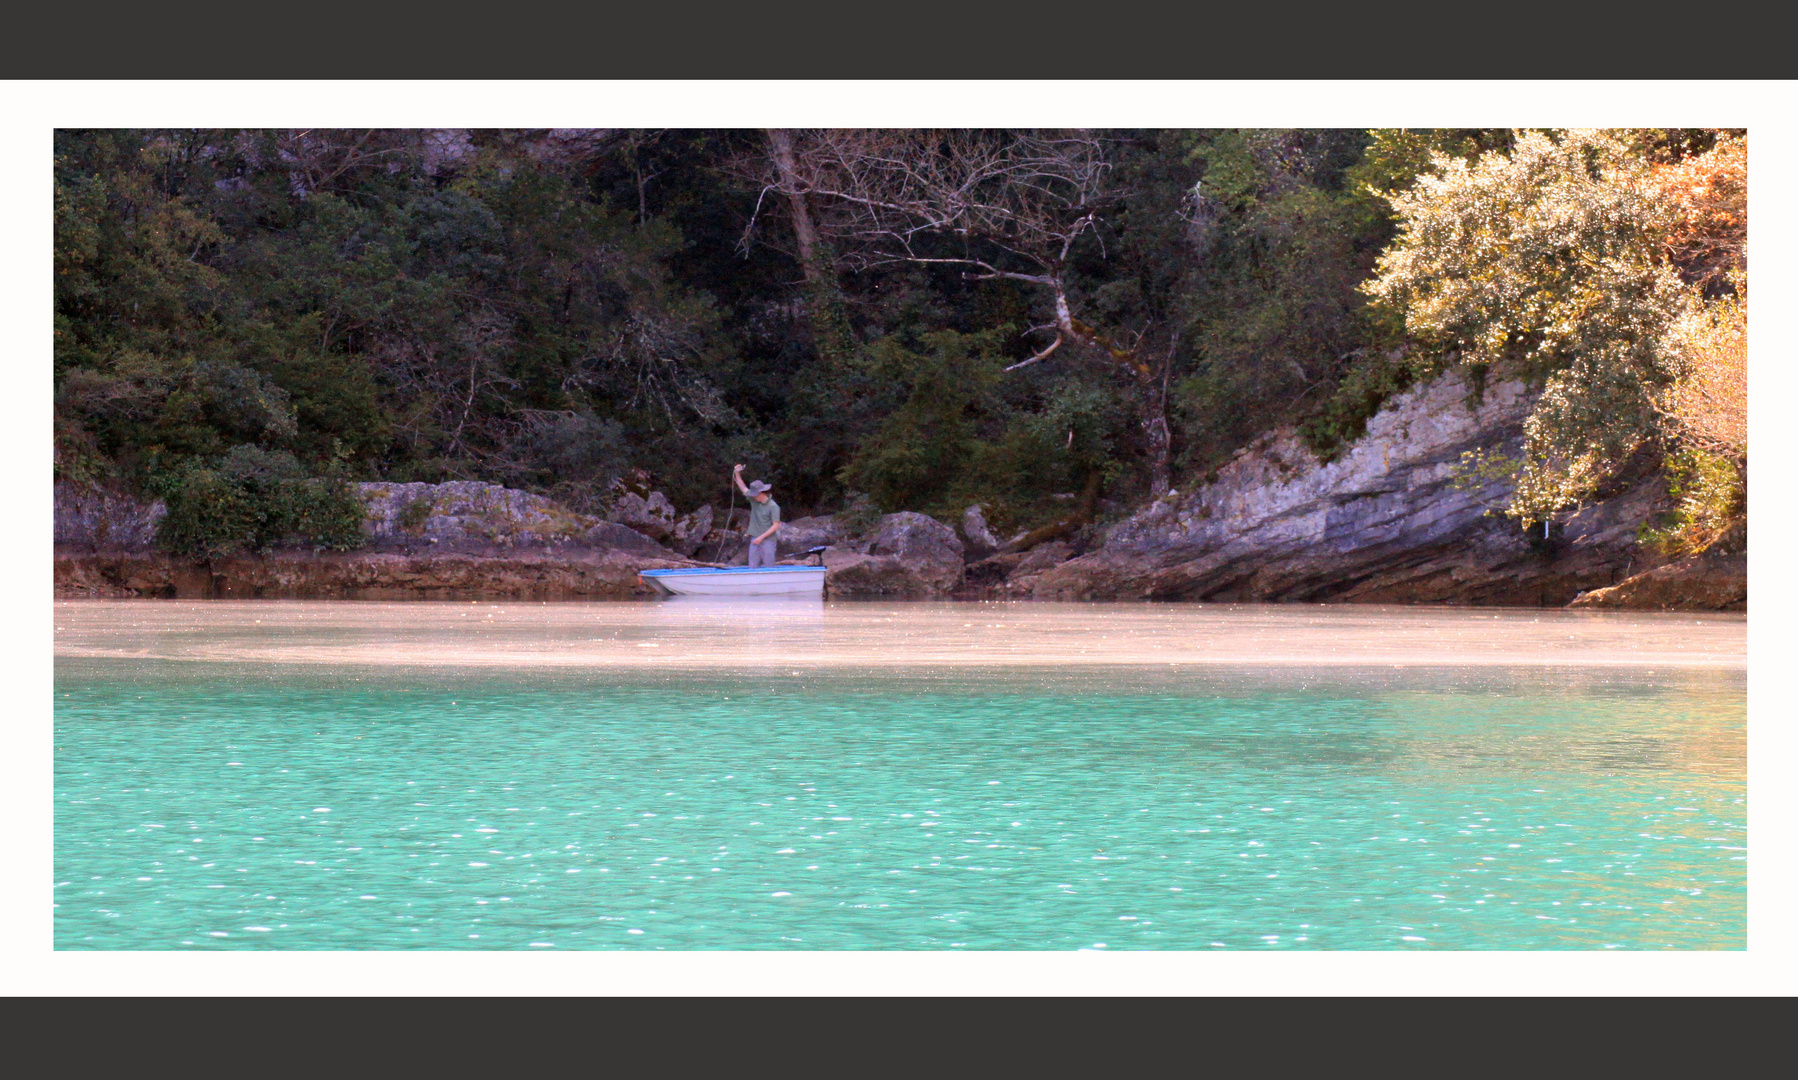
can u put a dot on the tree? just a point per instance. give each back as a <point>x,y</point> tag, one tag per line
<point>1285,229</point>
<point>1707,403</point>
<point>1552,257</point>
<point>824,298</point>
<point>1001,205</point>
<point>414,305</point>
<point>1708,192</point>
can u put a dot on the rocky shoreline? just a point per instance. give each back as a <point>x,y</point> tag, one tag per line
<point>1396,519</point>
<point>586,575</point>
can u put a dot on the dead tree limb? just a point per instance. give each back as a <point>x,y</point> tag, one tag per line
<point>1082,516</point>
<point>1016,202</point>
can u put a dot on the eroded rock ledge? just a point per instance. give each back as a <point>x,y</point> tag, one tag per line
<point>462,540</point>
<point>472,540</point>
<point>1393,520</point>
<point>537,575</point>
<point>1699,583</point>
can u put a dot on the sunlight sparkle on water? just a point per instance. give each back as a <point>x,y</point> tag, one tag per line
<point>291,775</point>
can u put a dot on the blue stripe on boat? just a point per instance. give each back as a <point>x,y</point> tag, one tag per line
<point>726,570</point>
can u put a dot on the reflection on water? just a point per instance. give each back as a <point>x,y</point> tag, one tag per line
<point>795,774</point>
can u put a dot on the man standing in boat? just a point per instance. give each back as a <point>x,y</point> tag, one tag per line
<point>764,519</point>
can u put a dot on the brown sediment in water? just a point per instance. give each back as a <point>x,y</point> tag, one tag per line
<point>804,635</point>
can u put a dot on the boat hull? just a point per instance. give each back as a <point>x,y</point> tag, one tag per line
<point>738,581</point>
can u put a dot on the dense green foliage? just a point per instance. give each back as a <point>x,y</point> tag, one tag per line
<point>240,313</point>
<point>252,499</point>
<point>1708,501</point>
<point>1557,257</point>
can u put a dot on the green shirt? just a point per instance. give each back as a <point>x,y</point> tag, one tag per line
<point>762,516</point>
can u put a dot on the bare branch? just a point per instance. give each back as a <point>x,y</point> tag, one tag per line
<point>1044,355</point>
<point>1017,202</point>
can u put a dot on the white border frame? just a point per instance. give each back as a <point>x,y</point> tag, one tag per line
<point>28,964</point>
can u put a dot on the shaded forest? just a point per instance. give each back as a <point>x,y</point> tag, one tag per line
<point>901,320</point>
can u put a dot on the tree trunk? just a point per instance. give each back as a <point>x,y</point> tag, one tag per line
<point>1158,444</point>
<point>1156,435</point>
<point>824,301</point>
<point>1151,399</point>
<point>780,146</point>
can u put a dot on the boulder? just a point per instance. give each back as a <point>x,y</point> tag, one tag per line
<point>653,516</point>
<point>689,533</point>
<point>918,537</point>
<point>803,534</point>
<point>853,574</point>
<point>910,555</point>
<point>979,536</point>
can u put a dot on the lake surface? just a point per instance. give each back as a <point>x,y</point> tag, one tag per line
<point>794,774</point>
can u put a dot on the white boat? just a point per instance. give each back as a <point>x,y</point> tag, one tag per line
<point>738,581</point>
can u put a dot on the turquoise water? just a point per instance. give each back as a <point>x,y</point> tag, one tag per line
<point>227,783</point>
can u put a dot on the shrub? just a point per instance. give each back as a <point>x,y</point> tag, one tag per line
<point>254,499</point>
<point>412,518</point>
<point>1343,417</point>
<point>920,448</point>
<point>208,516</point>
<point>1708,500</point>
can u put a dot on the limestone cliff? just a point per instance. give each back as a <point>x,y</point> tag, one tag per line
<point>1394,519</point>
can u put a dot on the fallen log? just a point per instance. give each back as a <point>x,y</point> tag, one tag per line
<point>1082,516</point>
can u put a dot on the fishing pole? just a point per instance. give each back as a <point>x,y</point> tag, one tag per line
<point>718,556</point>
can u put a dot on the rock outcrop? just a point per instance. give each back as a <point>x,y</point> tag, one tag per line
<point>977,535</point>
<point>364,575</point>
<point>471,517</point>
<point>910,556</point>
<point>458,540</point>
<point>1014,574</point>
<point>469,540</point>
<point>1697,583</point>
<point>94,519</point>
<point>1394,520</point>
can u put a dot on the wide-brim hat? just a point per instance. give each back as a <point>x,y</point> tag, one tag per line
<point>756,487</point>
